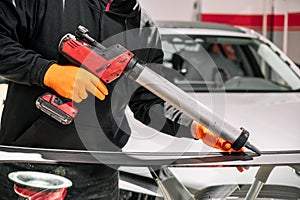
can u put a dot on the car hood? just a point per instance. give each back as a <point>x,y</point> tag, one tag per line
<point>271,118</point>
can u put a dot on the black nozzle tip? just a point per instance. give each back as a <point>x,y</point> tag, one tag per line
<point>241,140</point>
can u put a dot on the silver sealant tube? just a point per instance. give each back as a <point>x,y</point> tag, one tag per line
<point>187,104</point>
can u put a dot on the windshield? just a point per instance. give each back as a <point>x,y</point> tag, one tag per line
<point>226,63</point>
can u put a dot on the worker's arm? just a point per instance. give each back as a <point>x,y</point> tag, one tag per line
<point>20,64</point>
<point>17,62</point>
<point>149,108</point>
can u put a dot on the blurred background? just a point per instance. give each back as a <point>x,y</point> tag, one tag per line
<point>278,20</point>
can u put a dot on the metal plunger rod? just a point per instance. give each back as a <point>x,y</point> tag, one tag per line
<point>188,105</point>
<point>160,185</point>
<point>261,178</point>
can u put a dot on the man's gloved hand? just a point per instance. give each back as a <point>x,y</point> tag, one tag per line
<point>73,82</point>
<point>214,141</point>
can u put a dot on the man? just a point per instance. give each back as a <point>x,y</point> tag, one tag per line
<point>30,31</point>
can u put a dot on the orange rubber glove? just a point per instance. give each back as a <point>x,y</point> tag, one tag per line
<point>73,82</point>
<point>215,141</point>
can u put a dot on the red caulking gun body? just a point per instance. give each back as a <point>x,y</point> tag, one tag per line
<point>110,63</point>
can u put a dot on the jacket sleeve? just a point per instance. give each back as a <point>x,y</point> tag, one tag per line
<point>18,63</point>
<point>152,110</point>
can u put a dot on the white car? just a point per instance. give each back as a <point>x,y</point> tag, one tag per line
<point>246,79</point>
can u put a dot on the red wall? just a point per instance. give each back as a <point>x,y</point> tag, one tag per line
<point>255,21</point>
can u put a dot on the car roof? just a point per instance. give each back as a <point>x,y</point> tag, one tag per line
<point>197,25</point>
<point>203,28</point>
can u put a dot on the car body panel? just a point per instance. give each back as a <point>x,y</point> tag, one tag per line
<point>271,117</point>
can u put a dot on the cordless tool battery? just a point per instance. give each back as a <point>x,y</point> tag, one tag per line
<point>55,107</point>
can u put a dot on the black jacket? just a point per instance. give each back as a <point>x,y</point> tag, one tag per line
<point>30,31</point>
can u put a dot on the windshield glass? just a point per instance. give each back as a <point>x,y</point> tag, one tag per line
<point>226,63</point>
